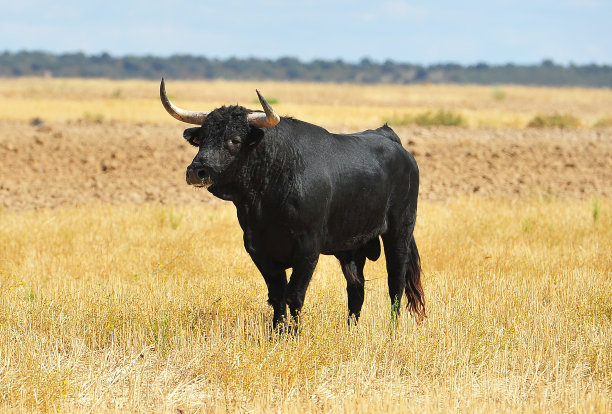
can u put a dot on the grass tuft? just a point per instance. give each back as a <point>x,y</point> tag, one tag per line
<point>271,101</point>
<point>499,94</point>
<point>605,122</point>
<point>93,117</point>
<point>596,210</point>
<point>441,117</point>
<point>554,121</point>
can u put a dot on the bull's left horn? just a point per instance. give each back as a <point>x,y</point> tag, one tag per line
<point>191,117</point>
<point>268,119</point>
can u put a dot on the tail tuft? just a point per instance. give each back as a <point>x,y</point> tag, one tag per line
<point>414,289</point>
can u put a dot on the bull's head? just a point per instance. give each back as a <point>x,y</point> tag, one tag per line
<point>222,136</point>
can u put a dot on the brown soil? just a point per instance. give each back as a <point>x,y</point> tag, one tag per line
<point>87,162</point>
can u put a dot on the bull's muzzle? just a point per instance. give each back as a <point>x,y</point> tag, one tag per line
<point>198,176</point>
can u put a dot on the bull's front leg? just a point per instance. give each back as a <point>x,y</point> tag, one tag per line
<point>298,283</point>
<point>276,281</point>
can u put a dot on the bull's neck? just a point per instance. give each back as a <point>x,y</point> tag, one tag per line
<point>268,173</point>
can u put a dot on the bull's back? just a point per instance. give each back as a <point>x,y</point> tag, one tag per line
<point>365,174</point>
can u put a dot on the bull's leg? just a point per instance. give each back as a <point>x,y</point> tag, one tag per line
<point>276,281</point>
<point>396,254</point>
<point>352,264</point>
<point>404,272</point>
<point>298,283</point>
<point>277,284</point>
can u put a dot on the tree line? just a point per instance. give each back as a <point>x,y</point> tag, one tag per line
<point>546,73</point>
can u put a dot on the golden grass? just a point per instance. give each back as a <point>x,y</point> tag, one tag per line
<point>156,308</point>
<point>335,106</point>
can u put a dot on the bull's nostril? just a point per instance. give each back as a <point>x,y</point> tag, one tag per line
<point>201,174</point>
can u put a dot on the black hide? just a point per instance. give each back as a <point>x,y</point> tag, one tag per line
<point>301,191</point>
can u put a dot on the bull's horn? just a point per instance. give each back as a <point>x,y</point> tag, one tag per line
<point>268,119</point>
<point>191,117</point>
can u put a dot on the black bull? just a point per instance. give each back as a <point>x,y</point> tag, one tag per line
<point>301,191</point>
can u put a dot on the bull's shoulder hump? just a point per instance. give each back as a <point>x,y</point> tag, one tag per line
<point>296,126</point>
<point>384,131</point>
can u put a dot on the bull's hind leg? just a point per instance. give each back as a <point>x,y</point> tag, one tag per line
<point>352,264</point>
<point>396,255</point>
<point>404,272</point>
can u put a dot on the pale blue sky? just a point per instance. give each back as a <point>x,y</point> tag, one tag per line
<point>465,32</point>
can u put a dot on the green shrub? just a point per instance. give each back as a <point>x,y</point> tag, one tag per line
<point>605,122</point>
<point>554,120</point>
<point>400,120</point>
<point>440,117</point>
<point>93,117</point>
<point>429,118</point>
<point>271,101</point>
<point>499,94</point>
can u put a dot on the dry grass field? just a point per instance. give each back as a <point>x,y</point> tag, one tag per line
<point>339,107</point>
<point>124,290</point>
<point>159,308</point>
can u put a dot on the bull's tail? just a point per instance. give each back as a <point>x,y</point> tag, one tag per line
<point>414,289</point>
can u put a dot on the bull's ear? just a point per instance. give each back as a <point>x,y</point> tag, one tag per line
<point>192,135</point>
<point>254,136</point>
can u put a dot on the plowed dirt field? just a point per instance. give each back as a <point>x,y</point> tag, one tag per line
<point>83,162</point>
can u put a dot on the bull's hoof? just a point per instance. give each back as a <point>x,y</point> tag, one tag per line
<point>353,320</point>
<point>285,327</point>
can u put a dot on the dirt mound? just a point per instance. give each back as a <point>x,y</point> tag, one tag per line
<point>86,162</point>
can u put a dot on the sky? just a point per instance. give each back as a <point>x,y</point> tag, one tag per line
<point>422,32</point>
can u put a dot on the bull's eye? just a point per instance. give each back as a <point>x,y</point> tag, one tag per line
<point>233,144</point>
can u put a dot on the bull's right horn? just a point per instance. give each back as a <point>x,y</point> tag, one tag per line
<point>266,120</point>
<point>191,117</point>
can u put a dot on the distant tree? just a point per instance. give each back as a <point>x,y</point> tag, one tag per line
<point>421,74</point>
<point>37,63</point>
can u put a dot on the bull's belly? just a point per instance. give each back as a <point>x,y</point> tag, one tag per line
<point>337,231</point>
<point>280,247</point>
<point>351,238</point>
<point>350,244</point>
<point>354,226</point>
